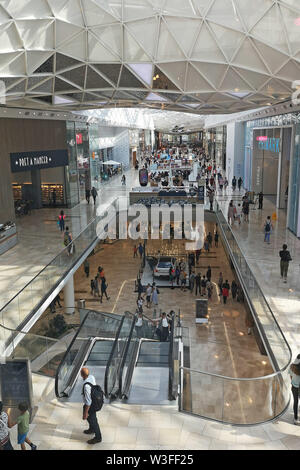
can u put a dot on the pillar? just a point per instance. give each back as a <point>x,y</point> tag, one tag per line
<point>69,296</point>
<point>36,189</point>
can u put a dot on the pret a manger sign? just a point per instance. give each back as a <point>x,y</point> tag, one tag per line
<point>28,161</point>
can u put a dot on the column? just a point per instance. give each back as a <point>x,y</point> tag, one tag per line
<point>36,189</point>
<point>69,296</point>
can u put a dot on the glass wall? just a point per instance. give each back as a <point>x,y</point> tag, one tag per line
<point>72,184</point>
<point>267,147</point>
<point>289,119</point>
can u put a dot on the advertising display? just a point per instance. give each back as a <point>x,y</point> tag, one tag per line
<point>144,178</point>
<point>201,311</point>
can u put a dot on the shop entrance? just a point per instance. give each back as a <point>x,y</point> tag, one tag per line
<point>271,164</point>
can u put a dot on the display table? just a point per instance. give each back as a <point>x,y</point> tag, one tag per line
<point>8,238</point>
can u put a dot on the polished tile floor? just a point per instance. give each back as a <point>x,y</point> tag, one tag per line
<point>40,241</point>
<point>190,432</point>
<point>59,426</point>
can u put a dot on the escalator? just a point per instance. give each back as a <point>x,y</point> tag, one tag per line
<point>150,378</point>
<point>129,364</point>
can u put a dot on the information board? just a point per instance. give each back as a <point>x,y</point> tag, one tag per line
<point>201,311</point>
<point>16,386</point>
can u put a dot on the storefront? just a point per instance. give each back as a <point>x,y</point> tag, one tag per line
<point>271,162</point>
<point>39,178</point>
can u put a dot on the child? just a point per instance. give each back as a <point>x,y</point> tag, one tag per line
<point>23,427</point>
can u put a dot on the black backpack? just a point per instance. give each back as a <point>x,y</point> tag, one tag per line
<point>97,396</point>
<point>268,227</point>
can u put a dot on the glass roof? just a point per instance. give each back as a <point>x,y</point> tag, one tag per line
<point>195,56</point>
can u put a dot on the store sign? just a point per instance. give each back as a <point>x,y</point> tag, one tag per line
<point>79,139</point>
<point>272,144</point>
<point>28,161</point>
<point>262,138</point>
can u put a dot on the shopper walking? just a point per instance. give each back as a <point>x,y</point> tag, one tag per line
<point>87,268</point>
<point>240,182</point>
<point>230,214</point>
<point>260,200</point>
<point>209,239</point>
<point>135,250</point>
<point>61,221</point>
<point>220,283</point>
<point>68,241</point>
<point>148,295</point>
<point>239,213</point>
<point>285,258</point>
<point>88,195</point>
<point>246,210</point>
<point>104,290</point>
<point>198,284</point>
<point>208,273</point>
<point>216,239</point>
<point>154,295</point>
<point>211,198</point>
<point>268,227</point>
<point>91,404</point>
<point>141,250</point>
<point>192,281</point>
<point>5,424</point>
<point>209,288</point>
<point>203,286</point>
<point>225,291</point>
<point>234,183</point>
<point>234,289</point>
<point>23,427</point>
<point>295,379</point>
<point>94,194</point>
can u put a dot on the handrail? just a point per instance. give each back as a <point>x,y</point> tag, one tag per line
<point>244,379</point>
<point>171,358</point>
<point>257,286</point>
<point>122,364</point>
<point>70,347</point>
<point>111,357</point>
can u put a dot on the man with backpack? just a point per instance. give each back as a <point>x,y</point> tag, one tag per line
<point>268,228</point>
<point>93,399</point>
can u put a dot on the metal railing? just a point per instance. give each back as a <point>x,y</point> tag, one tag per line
<point>95,325</point>
<point>16,313</point>
<point>234,400</point>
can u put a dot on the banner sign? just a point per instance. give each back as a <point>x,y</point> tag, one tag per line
<point>28,161</point>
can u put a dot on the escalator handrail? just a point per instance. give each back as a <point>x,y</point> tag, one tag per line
<point>68,350</point>
<point>125,356</point>
<point>171,359</point>
<point>111,356</point>
<point>65,356</point>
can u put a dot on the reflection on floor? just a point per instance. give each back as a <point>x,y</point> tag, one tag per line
<point>59,426</point>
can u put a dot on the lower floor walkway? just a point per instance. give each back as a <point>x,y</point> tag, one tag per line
<point>264,261</point>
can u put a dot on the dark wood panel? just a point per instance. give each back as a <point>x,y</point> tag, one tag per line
<point>24,135</point>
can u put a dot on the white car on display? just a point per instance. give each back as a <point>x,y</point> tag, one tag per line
<point>163,266</point>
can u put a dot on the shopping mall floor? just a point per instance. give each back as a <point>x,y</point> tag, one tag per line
<point>59,426</point>
<point>40,240</point>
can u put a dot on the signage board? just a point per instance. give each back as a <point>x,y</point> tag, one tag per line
<point>144,177</point>
<point>201,311</point>
<point>28,161</point>
<point>16,383</point>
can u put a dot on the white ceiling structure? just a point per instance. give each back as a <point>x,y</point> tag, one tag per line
<point>144,118</point>
<point>196,56</point>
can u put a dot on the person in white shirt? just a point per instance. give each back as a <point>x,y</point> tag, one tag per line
<point>89,413</point>
<point>165,327</point>
<point>148,295</point>
<point>239,212</point>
